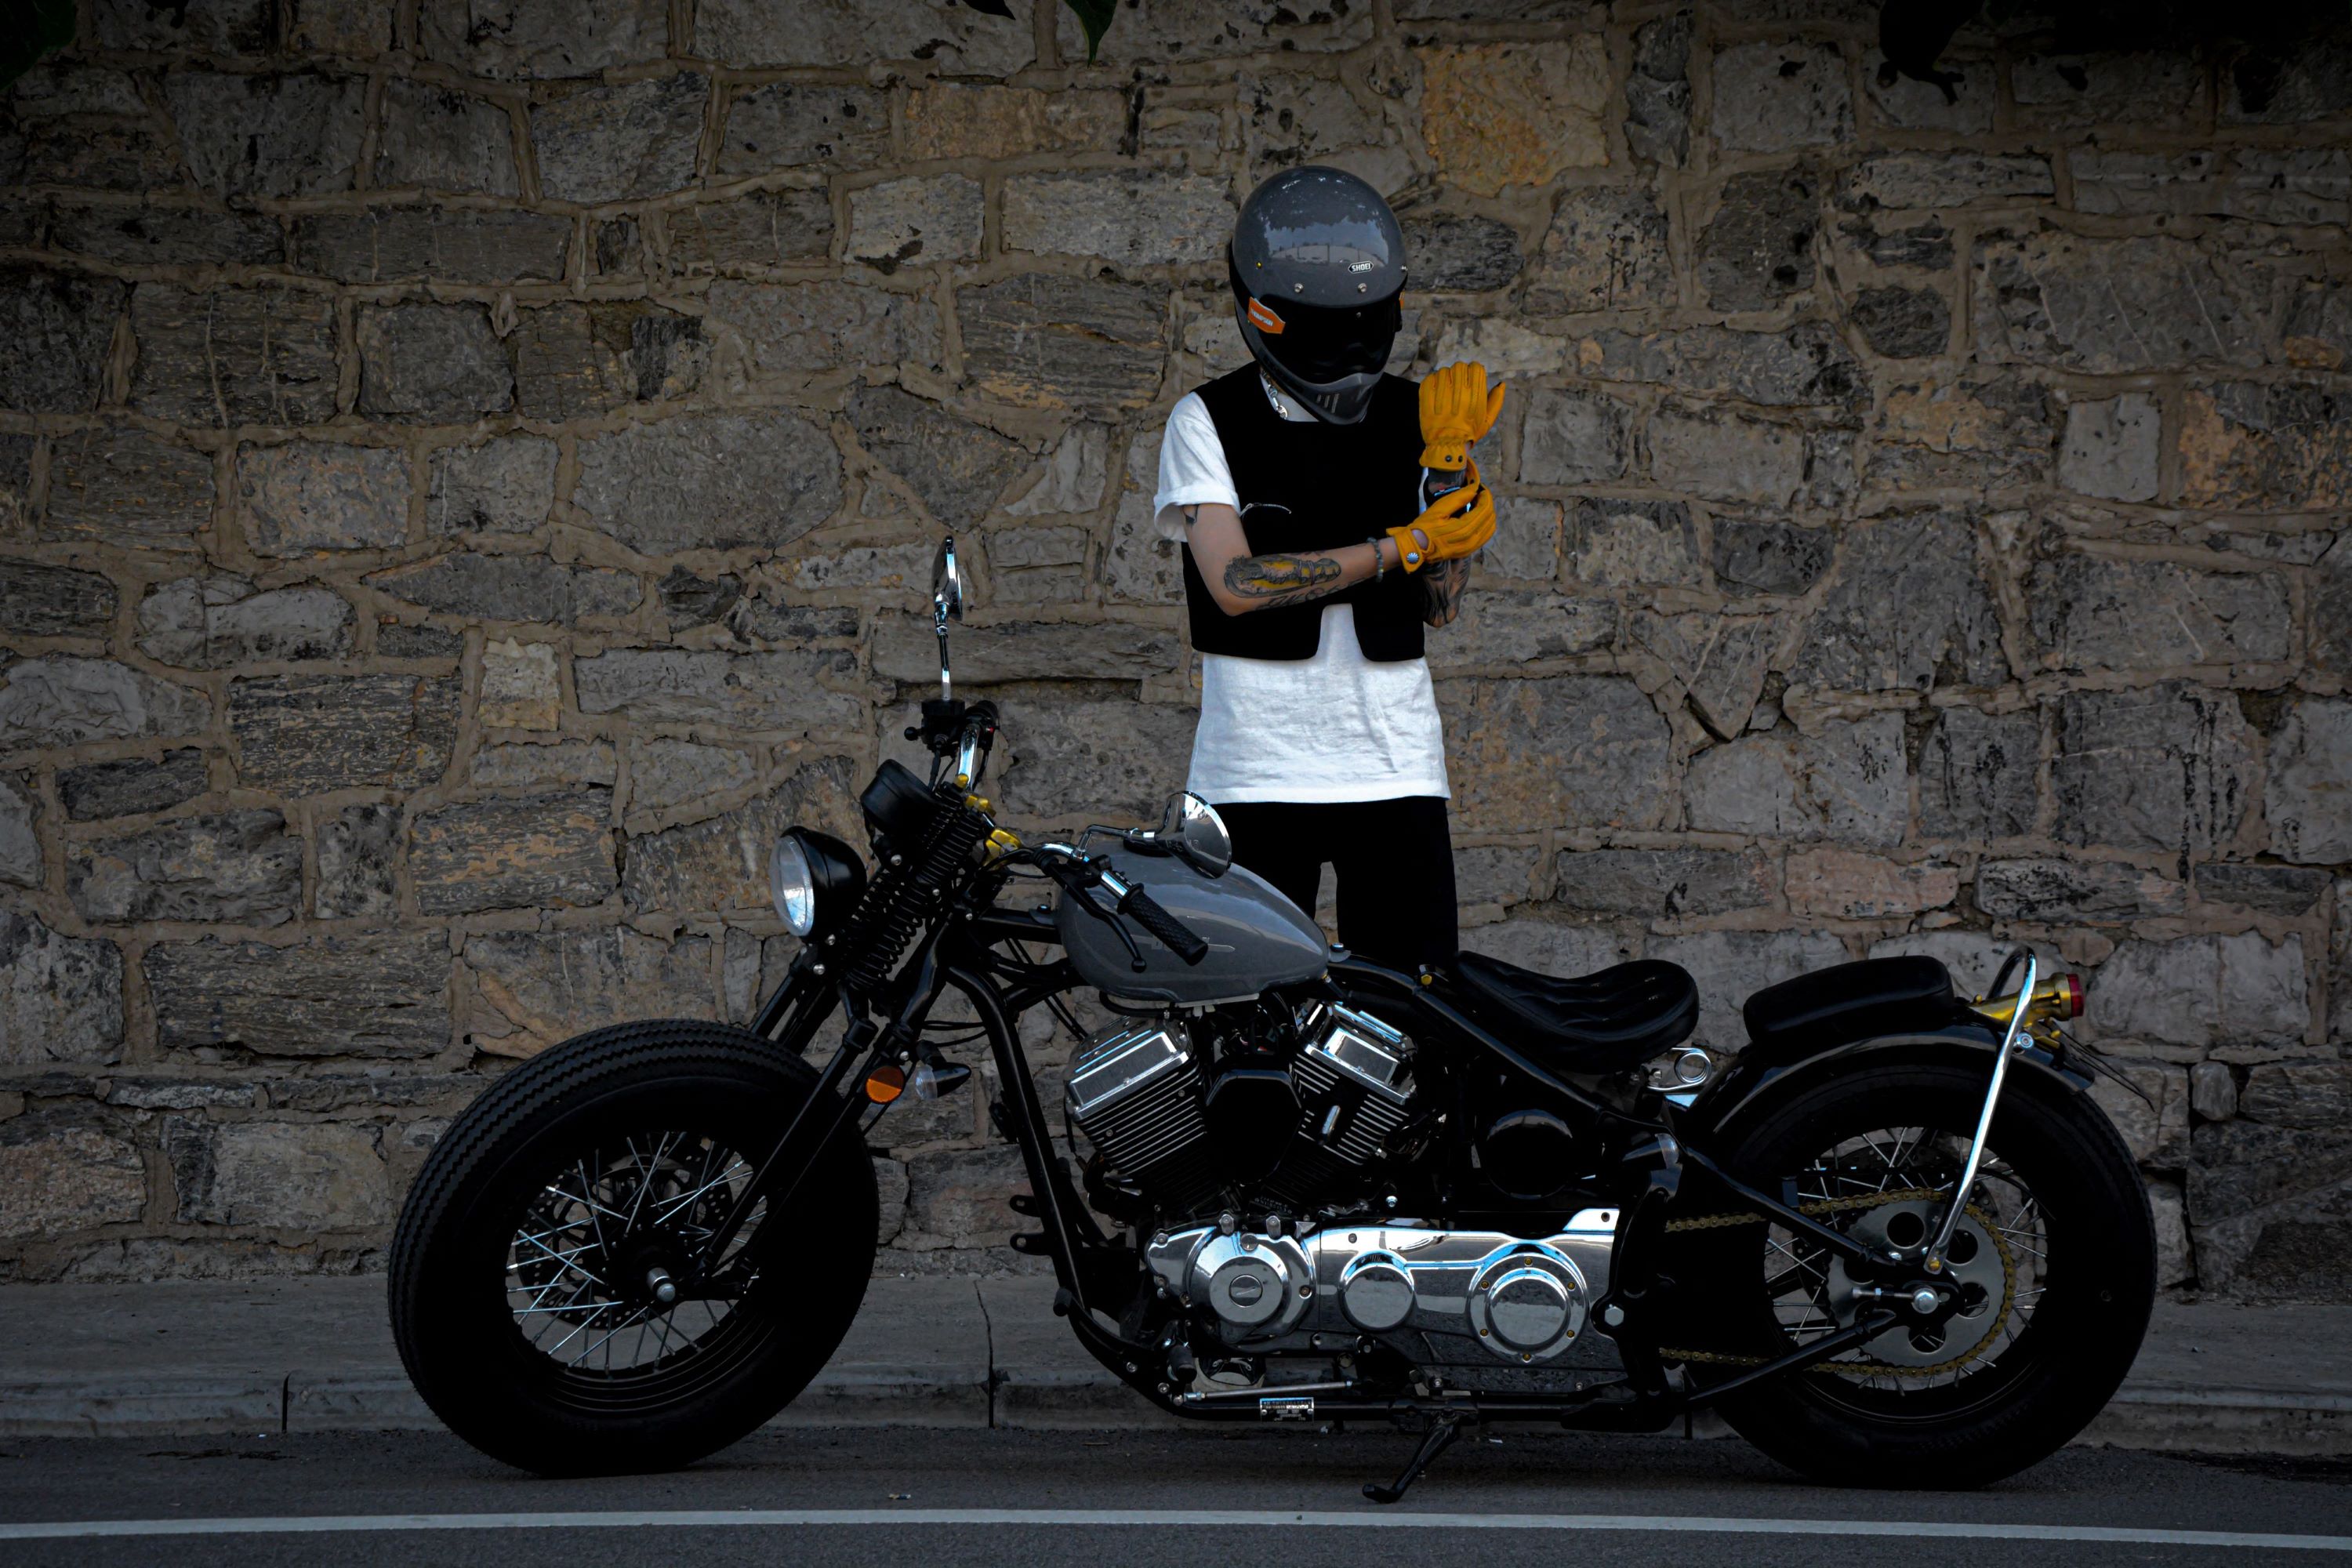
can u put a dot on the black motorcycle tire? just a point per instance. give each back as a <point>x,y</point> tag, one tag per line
<point>2084,1335</point>
<point>449,1305</point>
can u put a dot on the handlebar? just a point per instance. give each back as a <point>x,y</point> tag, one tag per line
<point>1077,871</point>
<point>1180,938</point>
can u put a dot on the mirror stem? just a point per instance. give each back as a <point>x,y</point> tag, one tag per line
<point>939,625</point>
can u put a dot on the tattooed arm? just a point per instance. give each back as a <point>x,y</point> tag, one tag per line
<point>1241,582</point>
<point>1442,583</point>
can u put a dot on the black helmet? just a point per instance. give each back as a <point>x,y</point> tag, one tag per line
<point>1318,264</point>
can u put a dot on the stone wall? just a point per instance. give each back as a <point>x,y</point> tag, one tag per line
<point>468,469</point>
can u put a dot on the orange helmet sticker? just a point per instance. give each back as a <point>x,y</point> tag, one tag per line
<point>1265,320</point>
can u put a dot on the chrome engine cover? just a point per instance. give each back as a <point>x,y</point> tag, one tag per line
<point>1434,1296</point>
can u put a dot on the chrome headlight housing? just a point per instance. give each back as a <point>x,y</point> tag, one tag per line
<point>814,880</point>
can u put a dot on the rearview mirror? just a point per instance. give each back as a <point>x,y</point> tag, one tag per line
<point>948,587</point>
<point>1192,829</point>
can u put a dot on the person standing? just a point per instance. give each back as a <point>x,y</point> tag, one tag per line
<point>1327,513</point>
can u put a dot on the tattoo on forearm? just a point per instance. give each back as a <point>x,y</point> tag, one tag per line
<point>1271,581</point>
<point>1442,583</point>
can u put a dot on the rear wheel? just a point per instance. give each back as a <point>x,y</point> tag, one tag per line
<point>2053,1265</point>
<point>538,1283</point>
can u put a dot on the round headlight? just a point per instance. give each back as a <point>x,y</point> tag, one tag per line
<point>791,884</point>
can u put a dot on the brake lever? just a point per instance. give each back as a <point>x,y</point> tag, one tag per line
<point>1079,881</point>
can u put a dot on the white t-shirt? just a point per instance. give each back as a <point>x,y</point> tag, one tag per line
<point>1336,727</point>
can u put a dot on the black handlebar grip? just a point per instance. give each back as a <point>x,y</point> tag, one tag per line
<point>1180,938</point>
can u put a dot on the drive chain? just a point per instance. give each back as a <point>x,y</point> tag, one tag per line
<point>1846,1206</point>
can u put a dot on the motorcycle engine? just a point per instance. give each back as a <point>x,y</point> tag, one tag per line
<point>1193,1119</point>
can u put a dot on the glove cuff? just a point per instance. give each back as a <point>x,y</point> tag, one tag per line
<point>1451,453</point>
<point>1411,554</point>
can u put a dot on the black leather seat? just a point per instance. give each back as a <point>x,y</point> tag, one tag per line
<point>1846,1002</point>
<point>1604,1022</point>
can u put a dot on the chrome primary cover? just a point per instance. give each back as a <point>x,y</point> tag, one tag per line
<point>1258,939</point>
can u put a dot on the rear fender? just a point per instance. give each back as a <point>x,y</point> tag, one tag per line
<point>1753,1081</point>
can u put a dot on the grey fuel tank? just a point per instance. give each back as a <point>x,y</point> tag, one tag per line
<point>1258,939</point>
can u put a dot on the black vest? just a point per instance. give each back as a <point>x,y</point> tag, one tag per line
<point>1315,486</point>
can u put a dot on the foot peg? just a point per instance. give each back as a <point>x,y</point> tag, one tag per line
<point>1435,1441</point>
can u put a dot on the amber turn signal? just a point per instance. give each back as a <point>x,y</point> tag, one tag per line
<point>884,1085</point>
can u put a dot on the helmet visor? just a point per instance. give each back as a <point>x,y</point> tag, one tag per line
<point>1318,344</point>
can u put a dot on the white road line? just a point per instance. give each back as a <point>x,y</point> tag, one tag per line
<point>1909,1529</point>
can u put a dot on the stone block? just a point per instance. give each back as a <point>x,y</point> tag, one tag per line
<point>2109,89</point>
<point>2112,447</point>
<point>55,334</point>
<point>1721,661</point>
<point>1511,629</point>
<point>795,125</point>
<point>1757,248</point>
<point>1289,118</point>
<point>956,466</point>
<point>122,485</point>
<point>1972,430</point>
<point>1970,957</point>
<point>753,691</point>
<point>356,851</point>
<point>436,140</point>
<point>306,496</point>
<point>2094,611</point>
<point>359,28</point>
<point>1623,543</point>
<point>905,650</point>
<point>506,485</point>
<point>2237,1167</point>
<point>306,734</point>
<point>298,1176</point>
<point>2316,331</point>
<point>240,865</point>
<point>514,852</point>
<point>1605,250</point>
<point>1129,218</point>
<point>1667,884</point>
<point>954,41</point>
<point>2309,795</point>
<point>2298,1094</point>
<point>2285,890</point>
<point>293,135</point>
<point>1458,251</point>
<point>1575,437</point>
<point>20,844</point>
<point>395,641</point>
<point>201,26</point>
<point>436,363</point>
<point>917,221</point>
<point>2266,447</point>
<point>1549,948</point>
<point>2154,1128</point>
<point>1498,115</point>
<point>2168,767</point>
<point>2212,1092</point>
<point>1912,181</point>
<point>1732,965</point>
<point>1725,456</point>
<point>1902,323</point>
<point>1074,474</point>
<point>1907,606</point>
<point>1658,91</point>
<point>962,1197</point>
<point>1773,96</point>
<point>688,600</point>
<point>1848,782</point>
<point>167,237</point>
<point>66,1179</point>
<point>2314,82</point>
<point>217,620</point>
<point>62,701</point>
<point>523,764</point>
<point>1770,556</point>
<point>2203,991</point>
<point>2110,306</point>
<point>2050,891</point>
<point>1805,365</point>
<point>1526,539</point>
<point>960,120</point>
<point>521,690</point>
<point>799,326</point>
<point>17,451</point>
<point>528,39</point>
<point>709,481</point>
<point>793,626</point>
<point>759,228</point>
<point>1089,759</point>
<point>535,988</point>
<point>61,996</point>
<point>721,865</point>
<point>664,775</point>
<point>619,142</point>
<point>387,245</point>
<point>1845,884</point>
<point>1569,750</point>
<point>511,588</point>
<point>1910,104</point>
<point>233,356</point>
<point>1047,340</point>
<point>55,601</point>
<point>1139,564</point>
<point>133,785</point>
<point>381,994</point>
<point>892,569</point>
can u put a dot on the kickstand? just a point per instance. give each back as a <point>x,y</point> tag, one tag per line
<point>1439,1438</point>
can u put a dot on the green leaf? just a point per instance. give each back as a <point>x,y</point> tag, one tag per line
<point>46,25</point>
<point>1094,16</point>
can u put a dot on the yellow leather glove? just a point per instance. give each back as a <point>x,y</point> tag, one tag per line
<point>1456,410</point>
<point>1456,526</point>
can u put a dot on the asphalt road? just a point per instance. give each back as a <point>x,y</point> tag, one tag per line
<point>1532,1497</point>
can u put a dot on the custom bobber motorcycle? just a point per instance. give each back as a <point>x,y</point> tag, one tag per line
<point>1893,1240</point>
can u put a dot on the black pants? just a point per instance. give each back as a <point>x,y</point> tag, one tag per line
<point>1394,860</point>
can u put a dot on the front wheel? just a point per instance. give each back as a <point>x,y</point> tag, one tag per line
<point>2052,1277</point>
<point>536,1272</point>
